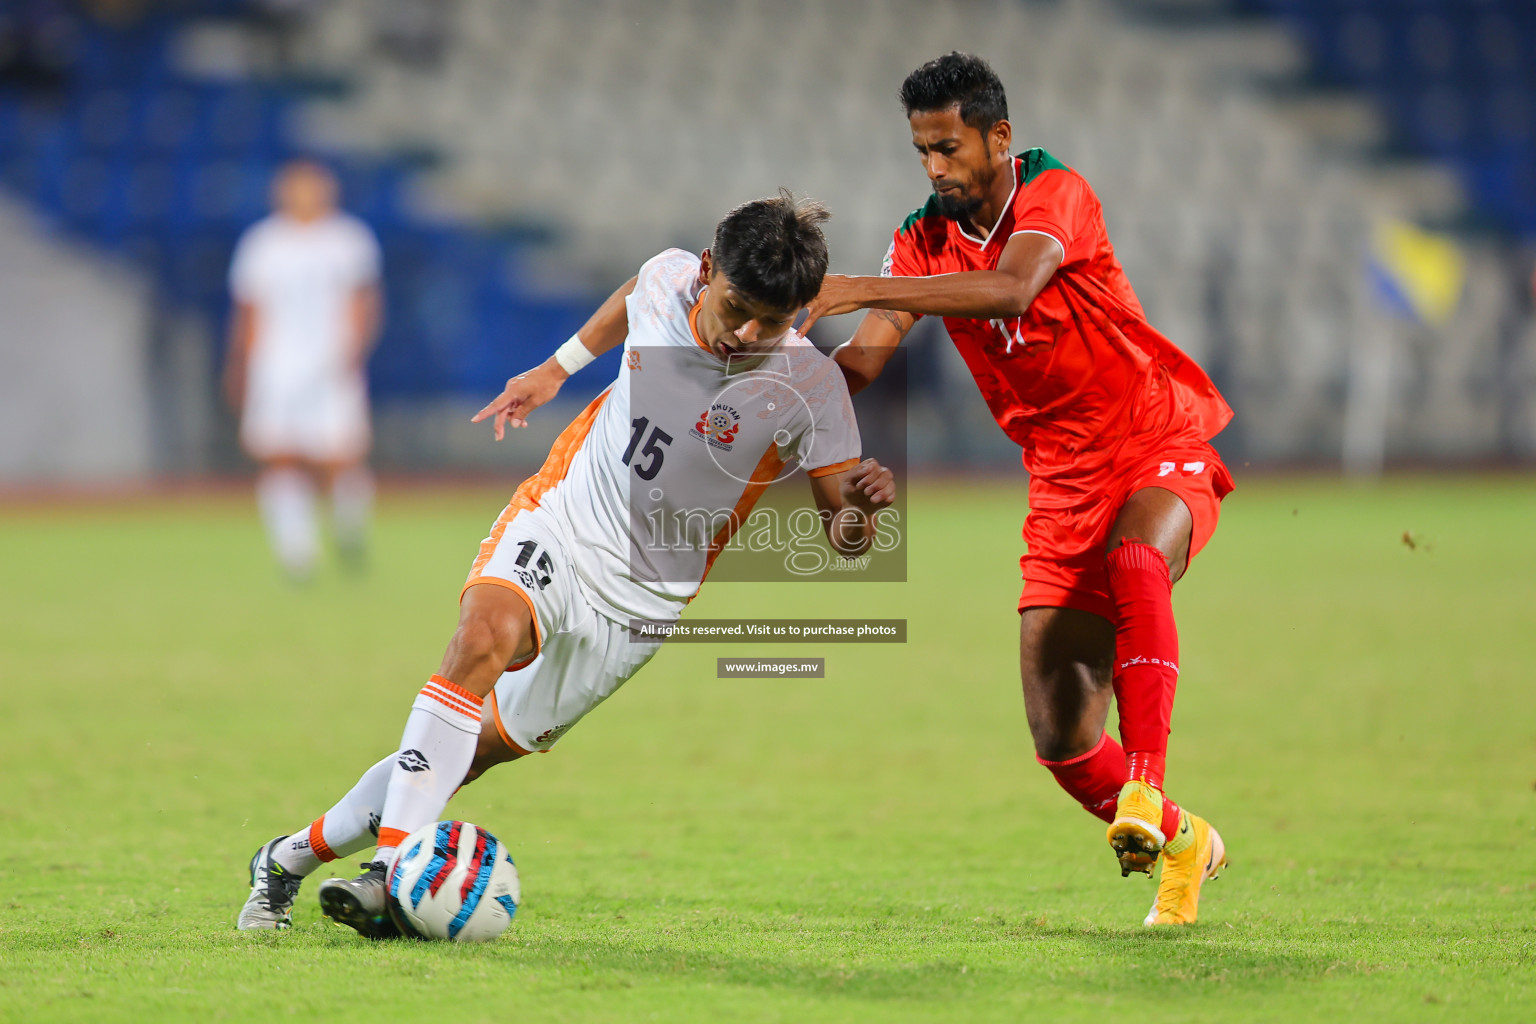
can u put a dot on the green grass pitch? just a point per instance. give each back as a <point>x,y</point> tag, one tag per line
<point>1357,717</point>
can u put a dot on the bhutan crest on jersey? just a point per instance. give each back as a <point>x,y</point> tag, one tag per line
<point>717,426</point>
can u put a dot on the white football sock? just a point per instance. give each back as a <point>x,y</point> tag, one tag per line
<point>286,497</point>
<point>341,831</point>
<point>436,751</point>
<point>351,505</point>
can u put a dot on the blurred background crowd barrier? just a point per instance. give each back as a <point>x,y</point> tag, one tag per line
<point>1329,203</point>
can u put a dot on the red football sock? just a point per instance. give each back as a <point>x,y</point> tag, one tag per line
<point>1170,823</point>
<point>1146,656</point>
<point>1094,780</point>
<point>1145,766</point>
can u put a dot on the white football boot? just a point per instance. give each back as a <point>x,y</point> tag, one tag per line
<point>273,890</point>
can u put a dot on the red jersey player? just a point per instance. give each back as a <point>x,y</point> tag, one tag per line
<point>1114,421</point>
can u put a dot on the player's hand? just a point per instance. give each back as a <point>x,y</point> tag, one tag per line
<point>837,296</point>
<point>234,386</point>
<point>523,394</point>
<point>868,487</point>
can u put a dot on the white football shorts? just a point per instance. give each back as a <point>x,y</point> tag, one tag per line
<point>320,419</point>
<point>581,656</point>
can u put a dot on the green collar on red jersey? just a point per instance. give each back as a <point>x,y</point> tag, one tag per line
<point>928,209</point>
<point>1031,163</point>
<point>1034,161</point>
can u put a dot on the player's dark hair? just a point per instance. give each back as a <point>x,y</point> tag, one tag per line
<point>773,250</point>
<point>962,79</point>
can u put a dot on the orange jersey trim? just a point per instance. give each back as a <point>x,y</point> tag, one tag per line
<point>768,469</point>
<point>488,546</point>
<point>553,470</point>
<point>518,666</point>
<point>533,615</point>
<point>693,324</point>
<point>502,731</point>
<point>558,463</point>
<point>841,467</point>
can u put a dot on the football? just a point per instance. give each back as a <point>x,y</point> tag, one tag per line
<point>453,881</point>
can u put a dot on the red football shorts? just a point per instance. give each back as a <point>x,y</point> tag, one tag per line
<point>1065,564</point>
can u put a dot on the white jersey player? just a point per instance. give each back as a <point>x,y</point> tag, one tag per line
<point>305,288</point>
<point>717,398</point>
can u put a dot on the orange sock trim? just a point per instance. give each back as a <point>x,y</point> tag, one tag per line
<point>391,837</point>
<point>323,853</point>
<point>454,688</point>
<point>452,696</point>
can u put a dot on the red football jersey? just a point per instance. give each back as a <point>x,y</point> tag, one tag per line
<point>1081,380</point>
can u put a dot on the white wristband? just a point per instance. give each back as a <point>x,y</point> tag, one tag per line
<point>573,355</point>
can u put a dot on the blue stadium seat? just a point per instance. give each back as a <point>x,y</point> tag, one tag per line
<point>167,171</point>
<point>1456,79</point>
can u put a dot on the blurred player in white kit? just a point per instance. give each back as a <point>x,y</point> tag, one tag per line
<point>305,283</point>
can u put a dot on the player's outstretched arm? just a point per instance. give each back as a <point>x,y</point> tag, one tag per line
<point>367,313</point>
<point>849,503</point>
<point>1026,266</point>
<point>604,330</point>
<point>242,330</point>
<point>862,357</point>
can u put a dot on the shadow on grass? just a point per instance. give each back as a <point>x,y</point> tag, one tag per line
<point>876,958</point>
<point>919,964</point>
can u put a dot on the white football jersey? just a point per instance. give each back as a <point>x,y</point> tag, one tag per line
<point>301,278</point>
<point>658,473</point>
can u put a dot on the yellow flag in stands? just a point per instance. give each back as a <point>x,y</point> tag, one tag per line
<point>1418,274</point>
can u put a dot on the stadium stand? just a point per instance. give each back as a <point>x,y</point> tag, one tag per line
<point>1454,82</point>
<point>519,157</point>
<point>631,123</point>
<point>1456,79</point>
<point>133,144</point>
<point>74,399</point>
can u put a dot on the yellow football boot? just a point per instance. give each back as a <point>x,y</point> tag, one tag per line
<point>1136,833</point>
<point>1190,859</point>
